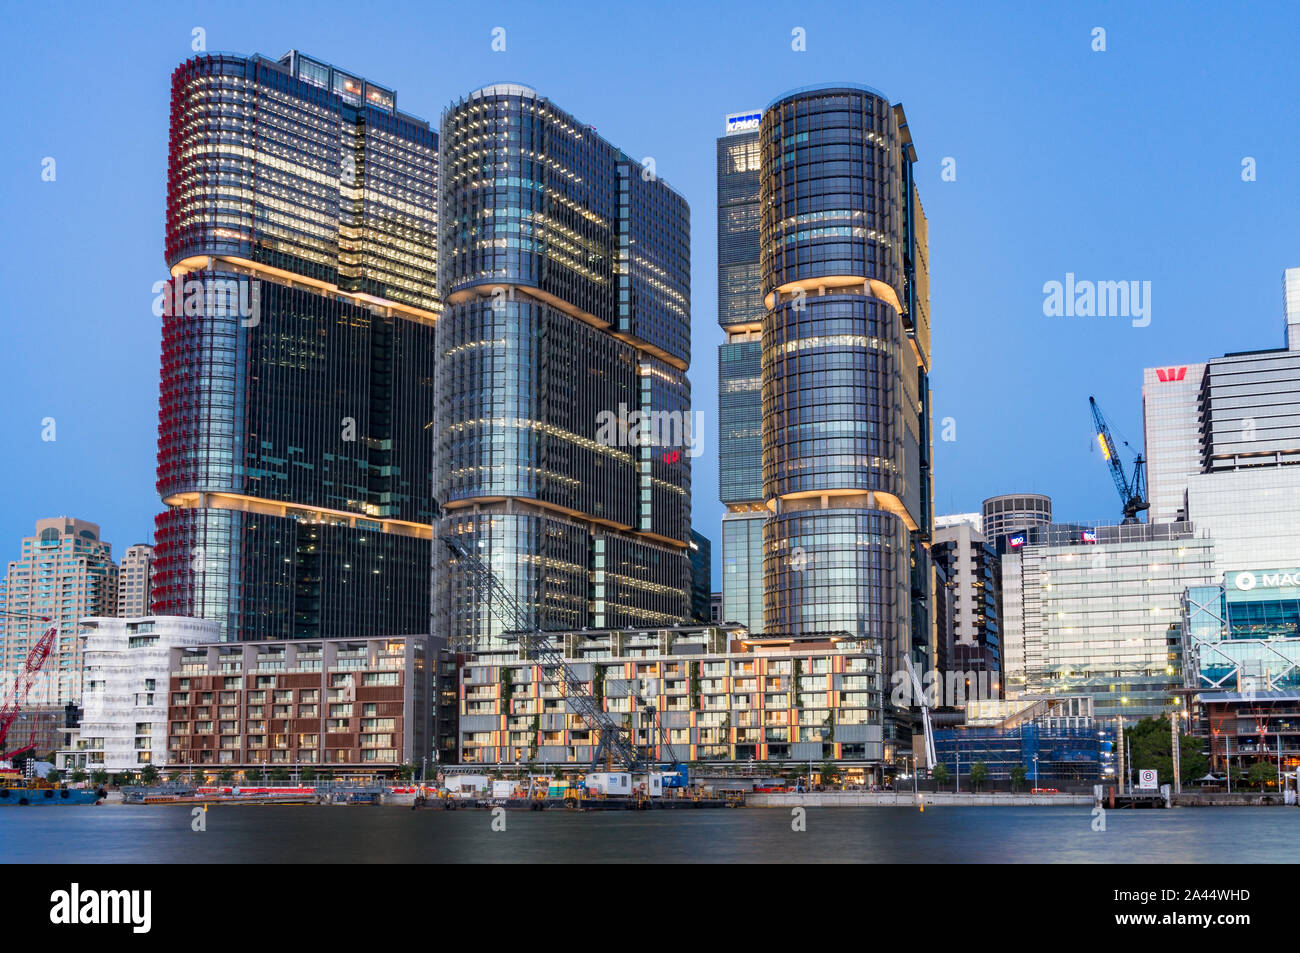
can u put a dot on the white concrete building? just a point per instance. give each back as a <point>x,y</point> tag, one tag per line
<point>126,665</point>
<point>1170,397</point>
<point>974,520</point>
<point>135,581</point>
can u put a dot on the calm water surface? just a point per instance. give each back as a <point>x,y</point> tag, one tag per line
<point>137,834</point>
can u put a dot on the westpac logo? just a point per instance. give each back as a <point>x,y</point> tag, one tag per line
<point>1167,374</point>
<point>1267,578</point>
<point>75,906</point>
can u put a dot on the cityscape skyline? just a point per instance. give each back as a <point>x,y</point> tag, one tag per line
<point>570,417</point>
<point>1105,356</point>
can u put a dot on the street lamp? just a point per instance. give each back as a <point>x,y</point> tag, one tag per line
<point>1035,772</point>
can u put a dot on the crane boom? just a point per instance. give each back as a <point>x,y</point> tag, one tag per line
<point>16,697</point>
<point>1132,493</point>
<point>554,668</point>
<point>931,760</point>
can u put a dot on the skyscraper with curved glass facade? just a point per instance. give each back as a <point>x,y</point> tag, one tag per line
<point>296,397</point>
<point>740,381</point>
<point>845,364</point>
<point>563,440</point>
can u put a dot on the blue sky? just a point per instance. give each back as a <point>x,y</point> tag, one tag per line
<point>1116,165</point>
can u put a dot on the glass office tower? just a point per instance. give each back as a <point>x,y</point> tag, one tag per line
<point>701,554</point>
<point>1096,610</point>
<point>845,364</point>
<point>1244,635</point>
<point>565,267</point>
<point>298,353</point>
<point>740,372</point>
<point>1223,447</point>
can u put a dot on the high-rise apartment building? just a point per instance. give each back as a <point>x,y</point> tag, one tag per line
<point>1097,610</point>
<point>740,371</point>
<point>971,572</point>
<point>65,572</point>
<point>297,396</point>
<point>563,413</point>
<point>1223,447</point>
<point>845,376</point>
<point>135,581</point>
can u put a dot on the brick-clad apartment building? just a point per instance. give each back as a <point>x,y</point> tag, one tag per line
<point>365,704</point>
<point>720,697</point>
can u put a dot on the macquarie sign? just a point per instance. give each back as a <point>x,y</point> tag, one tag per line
<point>1252,579</point>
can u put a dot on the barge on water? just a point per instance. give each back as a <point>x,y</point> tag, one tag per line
<point>47,796</point>
<point>576,802</point>
<point>18,791</point>
<point>230,795</point>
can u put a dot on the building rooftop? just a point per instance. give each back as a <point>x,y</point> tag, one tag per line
<point>1211,697</point>
<point>825,88</point>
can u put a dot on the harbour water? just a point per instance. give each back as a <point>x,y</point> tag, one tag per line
<point>243,835</point>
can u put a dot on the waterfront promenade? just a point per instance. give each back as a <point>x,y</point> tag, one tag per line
<point>908,799</point>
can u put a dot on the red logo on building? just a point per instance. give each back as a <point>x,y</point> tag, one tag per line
<point>1171,373</point>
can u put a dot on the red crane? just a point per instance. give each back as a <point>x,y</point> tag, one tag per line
<point>16,697</point>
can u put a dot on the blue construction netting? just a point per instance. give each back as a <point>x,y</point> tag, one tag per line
<point>1065,754</point>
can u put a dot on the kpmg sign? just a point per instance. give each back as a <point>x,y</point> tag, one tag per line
<point>742,122</point>
<point>1264,579</point>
